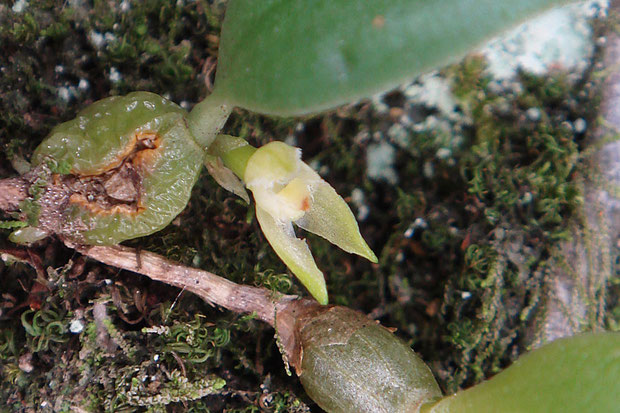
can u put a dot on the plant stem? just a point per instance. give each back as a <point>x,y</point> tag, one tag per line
<point>210,287</point>
<point>207,118</point>
<point>233,151</point>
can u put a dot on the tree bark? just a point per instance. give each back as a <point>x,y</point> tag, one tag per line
<point>581,267</point>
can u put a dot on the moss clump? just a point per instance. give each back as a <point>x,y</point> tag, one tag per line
<point>492,218</point>
<point>95,355</point>
<point>465,239</point>
<point>64,56</point>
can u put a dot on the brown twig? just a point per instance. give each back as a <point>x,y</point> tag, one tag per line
<point>282,312</point>
<point>210,287</point>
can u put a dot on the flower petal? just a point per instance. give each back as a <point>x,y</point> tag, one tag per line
<point>294,252</point>
<point>330,217</point>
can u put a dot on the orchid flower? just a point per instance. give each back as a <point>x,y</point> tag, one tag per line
<point>287,191</point>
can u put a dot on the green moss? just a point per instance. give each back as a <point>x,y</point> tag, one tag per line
<point>464,286</point>
<point>517,175</point>
<point>44,328</point>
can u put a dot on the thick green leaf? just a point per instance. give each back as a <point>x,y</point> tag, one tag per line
<point>291,57</point>
<point>572,375</point>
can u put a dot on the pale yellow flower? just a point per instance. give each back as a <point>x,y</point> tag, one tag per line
<point>288,191</point>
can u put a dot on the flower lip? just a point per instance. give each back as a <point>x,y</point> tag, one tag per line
<point>288,204</point>
<point>275,176</point>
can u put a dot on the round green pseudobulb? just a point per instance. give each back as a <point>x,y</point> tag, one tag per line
<point>349,363</point>
<point>133,163</point>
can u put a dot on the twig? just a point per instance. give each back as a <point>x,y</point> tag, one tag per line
<point>210,287</point>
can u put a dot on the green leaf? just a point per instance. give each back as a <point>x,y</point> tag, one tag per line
<point>571,375</point>
<point>291,57</point>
